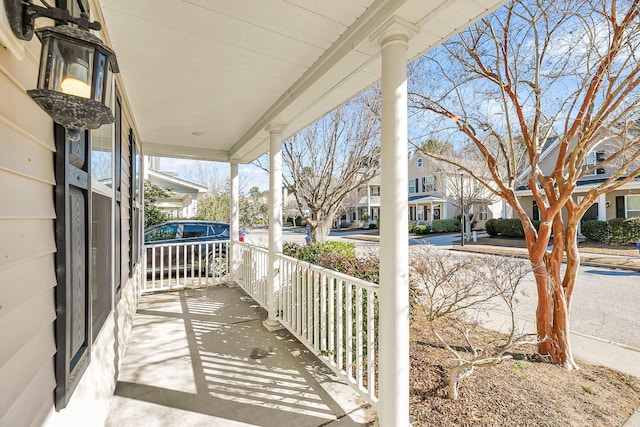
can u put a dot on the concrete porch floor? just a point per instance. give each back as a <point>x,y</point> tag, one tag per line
<point>201,357</point>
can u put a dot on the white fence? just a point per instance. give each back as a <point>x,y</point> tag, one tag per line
<point>332,314</point>
<point>178,265</point>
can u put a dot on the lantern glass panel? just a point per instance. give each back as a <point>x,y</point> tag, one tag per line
<point>101,76</point>
<point>68,66</point>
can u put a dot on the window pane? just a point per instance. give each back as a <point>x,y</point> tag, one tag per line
<point>100,260</point>
<point>102,153</point>
<point>633,206</point>
<point>221,229</point>
<point>166,232</point>
<point>192,230</point>
<point>633,203</point>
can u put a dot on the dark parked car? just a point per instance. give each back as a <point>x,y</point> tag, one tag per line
<point>188,246</point>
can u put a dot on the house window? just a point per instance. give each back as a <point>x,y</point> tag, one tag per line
<point>428,183</point>
<point>375,190</point>
<point>633,205</point>
<point>102,164</point>
<point>135,198</point>
<point>594,158</point>
<point>419,163</point>
<point>483,215</point>
<point>413,185</point>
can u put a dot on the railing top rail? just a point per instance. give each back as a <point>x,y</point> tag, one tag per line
<point>255,247</point>
<point>335,274</point>
<point>199,242</point>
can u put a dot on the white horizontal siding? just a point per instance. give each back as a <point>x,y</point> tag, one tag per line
<point>25,239</point>
<point>16,291</point>
<point>16,403</point>
<point>27,410</point>
<point>12,193</point>
<point>27,246</point>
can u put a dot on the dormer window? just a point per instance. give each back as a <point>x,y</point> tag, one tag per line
<point>420,163</point>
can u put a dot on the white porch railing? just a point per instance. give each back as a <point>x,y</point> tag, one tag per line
<point>332,314</point>
<point>178,265</point>
<point>253,271</point>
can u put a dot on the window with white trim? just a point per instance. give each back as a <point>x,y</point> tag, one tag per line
<point>428,183</point>
<point>593,159</point>
<point>413,185</point>
<point>633,205</point>
<point>483,214</point>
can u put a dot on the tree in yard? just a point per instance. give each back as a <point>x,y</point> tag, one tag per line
<point>152,214</point>
<point>330,158</point>
<point>253,207</point>
<point>215,207</point>
<point>531,71</point>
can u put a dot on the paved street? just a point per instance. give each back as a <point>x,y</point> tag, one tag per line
<point>605,305</point>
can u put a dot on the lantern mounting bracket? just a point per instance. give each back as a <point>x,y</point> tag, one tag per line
<point>22,14</point>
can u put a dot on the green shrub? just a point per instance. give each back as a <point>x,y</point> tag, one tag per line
<point>314,252</point>
<point>491,227</point>
<point>421,229</point>
<point>373,226</point>
<point>625,230</point>
<point>445,225</point>
<point>594,230</point>
<point>411,226</point>
<point>507,228</point>
<point>511,229</point>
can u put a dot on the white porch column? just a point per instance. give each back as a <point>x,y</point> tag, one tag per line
<point>431,214</point>
<point>393,407</point>
<point>275,223</point>
<point>234,225</point>
<point>602,207</point>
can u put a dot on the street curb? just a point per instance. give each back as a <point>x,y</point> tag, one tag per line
<point>585,263</point>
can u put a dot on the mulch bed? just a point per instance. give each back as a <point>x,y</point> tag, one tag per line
<point>525,391</point>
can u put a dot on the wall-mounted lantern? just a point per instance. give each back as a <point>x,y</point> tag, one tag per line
<point>75,66</point>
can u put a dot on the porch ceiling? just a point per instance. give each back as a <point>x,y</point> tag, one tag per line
<point>205,77</point>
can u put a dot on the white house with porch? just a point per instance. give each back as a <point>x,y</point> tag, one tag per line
<point>183,195</point>
<point>624,202</point>
<point>435,189</point>
<point>211,80</point>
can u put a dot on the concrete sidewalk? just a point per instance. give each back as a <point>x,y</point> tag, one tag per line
<point>202,357</point>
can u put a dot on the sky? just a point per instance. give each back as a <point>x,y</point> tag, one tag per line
<point>202,172</point>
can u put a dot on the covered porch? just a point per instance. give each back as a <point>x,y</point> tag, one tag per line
<point>202,357</point>
<point>216,80</point>
<point>265,81</point>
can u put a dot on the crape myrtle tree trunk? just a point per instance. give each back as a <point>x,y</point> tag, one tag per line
<point>535,75</point>
<point>325,162</point>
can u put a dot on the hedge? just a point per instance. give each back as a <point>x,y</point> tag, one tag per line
<point>597,231</point>
<point>313,252</point>
<point>507,228</point>
<point>421,229</point>
<point>445,225</point>
<point>625,230</point>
